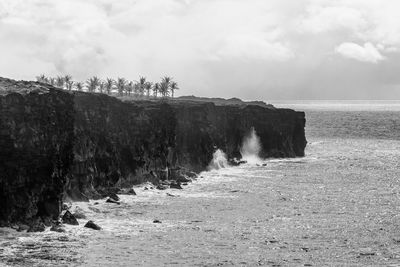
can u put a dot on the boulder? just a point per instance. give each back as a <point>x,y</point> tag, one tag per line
<point>161,187</point>
<point>68,218</point>
<point>110,200</point>
<point>92,225</point>
<point>114,196</point>
<point>156,221</point>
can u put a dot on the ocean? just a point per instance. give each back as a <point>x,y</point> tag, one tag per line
<point>337,206</point>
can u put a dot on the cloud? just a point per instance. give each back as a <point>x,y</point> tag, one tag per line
<point>250,49</point>
<point>320,19</point>
<point>366,53</point>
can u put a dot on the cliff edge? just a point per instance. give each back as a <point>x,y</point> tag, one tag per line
<point>56,144</point>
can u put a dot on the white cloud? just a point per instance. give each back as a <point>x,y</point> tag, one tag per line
<point>366,53</point>
<point>320,19</point>
<point>276,43</point>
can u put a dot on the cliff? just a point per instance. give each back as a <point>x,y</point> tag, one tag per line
<point>56,144</point>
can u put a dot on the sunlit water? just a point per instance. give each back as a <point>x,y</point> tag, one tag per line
<point>338,206</point>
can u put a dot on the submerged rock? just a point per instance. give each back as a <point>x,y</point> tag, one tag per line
<point>92,225</point>
<point>68,218</point>
<point>156,221</point>
<point>79,213</point>
<point>161,187</point>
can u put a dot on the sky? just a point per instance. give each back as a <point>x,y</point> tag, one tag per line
<point>252,49</point>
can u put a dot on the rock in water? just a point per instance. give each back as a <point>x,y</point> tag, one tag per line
<point>110,200</point>
<point>156,221</point>
<point>57,228</point>
<point>37,227</point>
<point>68,218</point>
<point>176,186</point>
<point>23,227</point>
<point>114,197</point>
<point>92,225</point>
<point>161,187</point>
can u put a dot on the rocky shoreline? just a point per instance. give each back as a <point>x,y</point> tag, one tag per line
<point>57,145</point>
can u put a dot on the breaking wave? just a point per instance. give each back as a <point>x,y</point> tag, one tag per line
<point>251,148</point>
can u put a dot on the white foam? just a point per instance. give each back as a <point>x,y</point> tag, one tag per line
<point>251,148</point>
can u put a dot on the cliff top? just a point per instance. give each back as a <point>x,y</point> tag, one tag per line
<point>8,86</point>
<point>224,102</point>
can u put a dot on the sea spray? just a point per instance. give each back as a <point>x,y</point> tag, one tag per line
<point>219,160</point>
<point>251,148</point>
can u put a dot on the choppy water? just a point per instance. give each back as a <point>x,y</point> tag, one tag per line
<point>338,206</point>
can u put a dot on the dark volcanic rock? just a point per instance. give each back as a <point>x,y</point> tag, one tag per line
<point>92,225</point>
<point>114,197</point>
<point>57,228</point>
<point>23,227</point>
<point>161,187</point>
<point>55,143</point>
<point>110,200</point>
<point>36,149</point>
<point>175,185</point>
<point>37,226</point>
<point>68,218</point>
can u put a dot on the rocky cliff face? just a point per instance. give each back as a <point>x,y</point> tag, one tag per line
<point>56,144</point>
<point>36,149</point>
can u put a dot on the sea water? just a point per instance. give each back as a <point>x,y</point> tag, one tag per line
<point>337,206</point>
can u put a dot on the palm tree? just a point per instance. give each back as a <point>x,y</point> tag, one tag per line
<point>164,89</point>
<point>173,87</point>
<point>148,87</point>
<point>52,81</point>
<point>136,89</point>
<point>41,78</point>
<point>79,86</point>
<point>165,85</point>
<point>68,82</point>
<point>92,84</point>
<point>109,85</point>
<point>156,89</point>
<point>129,88</point>
<point>142,85</point>
<point>60,81</point>
<point>167,80</point>
<point>102,86</point>
<point>121,82</point>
